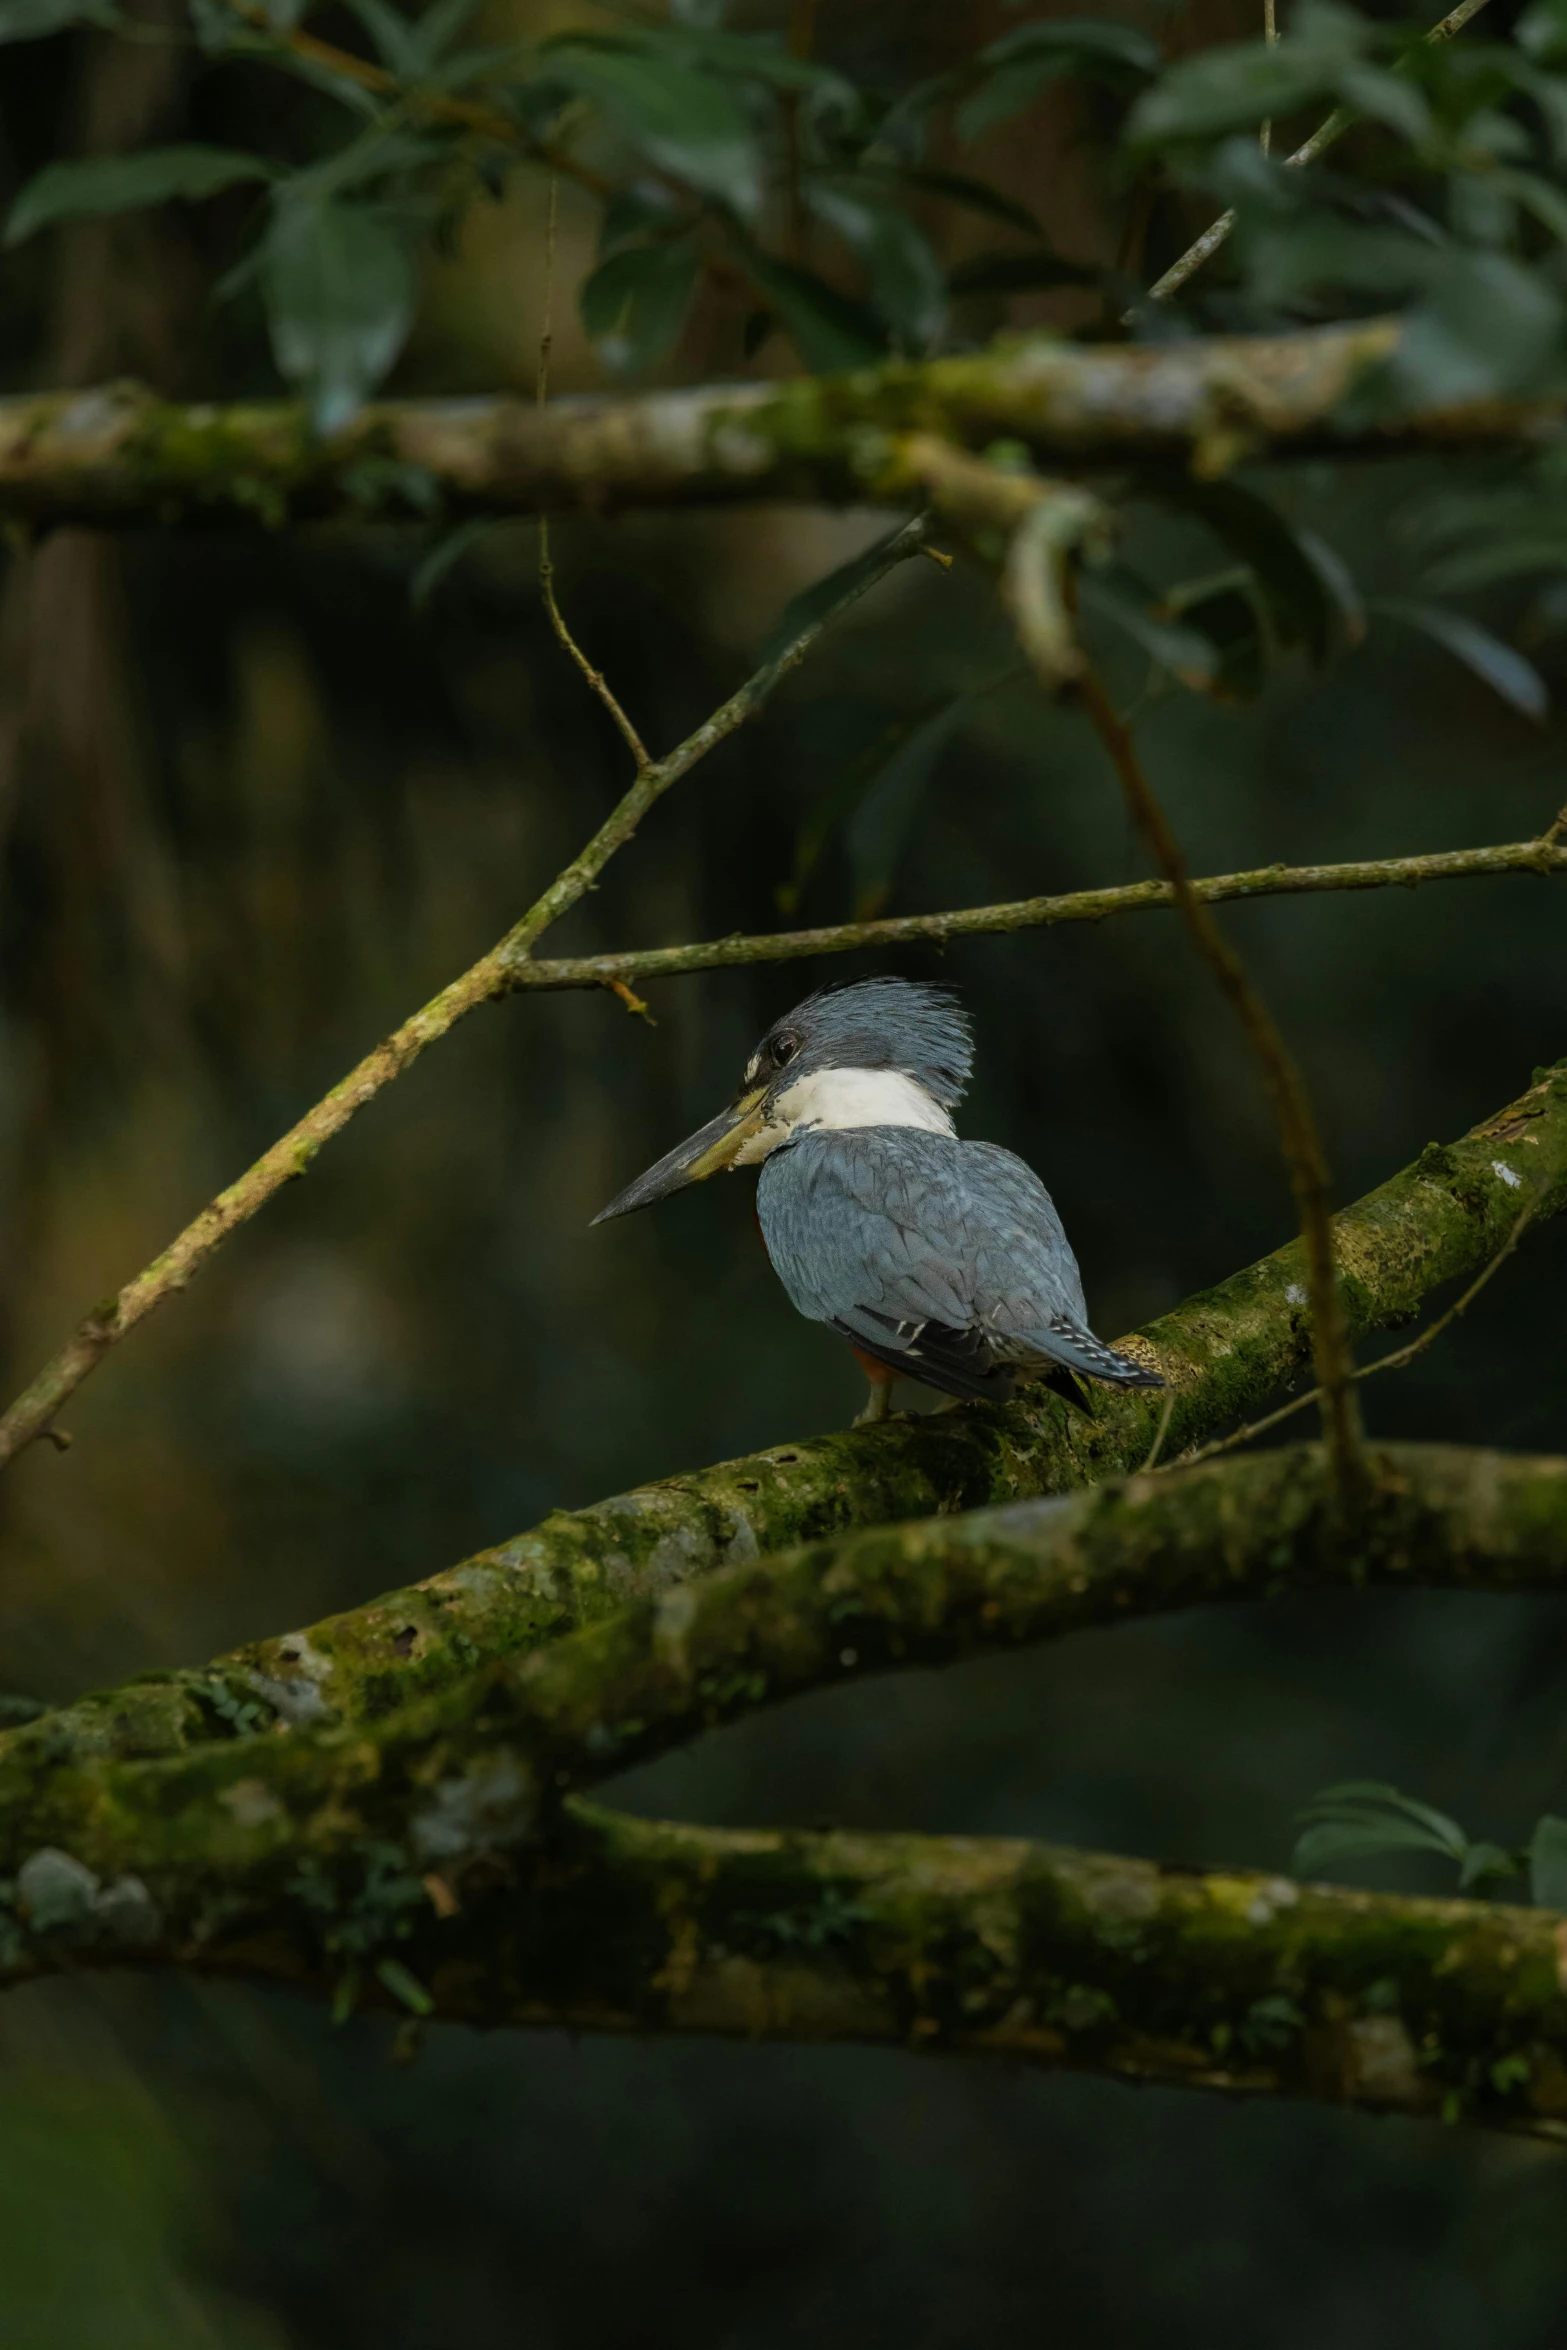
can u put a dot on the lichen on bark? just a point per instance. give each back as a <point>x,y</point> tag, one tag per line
<point>119,457</point>
<point>1224,1351</point>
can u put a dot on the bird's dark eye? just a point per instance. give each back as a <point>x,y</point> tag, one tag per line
<point>784,1048</point>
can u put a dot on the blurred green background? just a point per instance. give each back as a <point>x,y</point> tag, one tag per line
<point>255,805</point>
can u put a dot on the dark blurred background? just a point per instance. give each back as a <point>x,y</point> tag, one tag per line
<point>255,804</point>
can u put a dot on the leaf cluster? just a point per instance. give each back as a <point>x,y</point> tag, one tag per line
<point>1361,1819</point>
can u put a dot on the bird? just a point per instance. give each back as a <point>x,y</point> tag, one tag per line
<point>938,1259</point>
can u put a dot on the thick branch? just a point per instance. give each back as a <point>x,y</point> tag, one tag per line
<point>491,976</point>
<point>1546,856</point>
<point>428,1845</point>
<point>119,458</point>
<point>1222,1351</point>
<point>1228,1980</point>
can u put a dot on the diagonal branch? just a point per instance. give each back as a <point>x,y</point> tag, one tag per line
<point>1298,1133</point>
<point>491,976</point>
<point>1223,1351</point>
<point>1045,526</point>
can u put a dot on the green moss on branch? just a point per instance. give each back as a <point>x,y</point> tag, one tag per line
<point>483,1763</point>
<point>432,1847</point>
<point>1225,1351</point>
<point>118,457</point>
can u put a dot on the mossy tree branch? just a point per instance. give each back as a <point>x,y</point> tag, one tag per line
<point>432,1850</point>
<point>119,458</point>
<point>1546,855</point>
<point>1223,1351</point>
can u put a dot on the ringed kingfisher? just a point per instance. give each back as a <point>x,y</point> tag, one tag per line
<point>937,1259</point>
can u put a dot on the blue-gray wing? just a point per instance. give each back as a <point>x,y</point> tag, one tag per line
<point>947,1254</point>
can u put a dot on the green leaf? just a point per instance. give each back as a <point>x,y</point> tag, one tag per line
<point>339,291</point>
<point>755,57</point>
<point>1486,1864</point>
<point>1339,581</point>
<point>1228,89</point>
<point>1542,31</point>
<point>975,195</point>
<point>345,1992</point>
<point>878,830</point>
<point>433,33</point>
<point>1386,98</point>
<point>1539,196</point>
<point>404,1985</point>
<point>1089,40</point>
<point>635,303</point>
<point>1488,326</point>
<point>1185,654</point>
<point>1497,665</point>
<point>1298,599</point>
<point>685,122</point>
<point>123,183</point>
<point>30,20</point>
<point>1015,273</point>
<point>907,284</point>
<point>813,603</point>
<point>391,33</point>
<point>1361,1819</point>
<point>1023,63</point>
<point>831,333</point>
<point>636,208</point>
<point>1548,1864</point>
<point>1227,608</point>
<point>446,554</point>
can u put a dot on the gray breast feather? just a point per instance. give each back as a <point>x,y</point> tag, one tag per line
<point>887,1225</point>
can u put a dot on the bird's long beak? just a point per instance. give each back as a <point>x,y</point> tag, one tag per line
<point>714,1146</point>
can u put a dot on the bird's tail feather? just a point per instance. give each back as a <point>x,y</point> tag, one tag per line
<point>1070,1343</point>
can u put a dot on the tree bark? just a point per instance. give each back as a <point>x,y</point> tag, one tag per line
<point>1224,1351</point>
<point>120,458</point>
<point>436,1853</point>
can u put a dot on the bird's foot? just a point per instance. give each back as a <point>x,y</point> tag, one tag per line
<point>877,1404</point>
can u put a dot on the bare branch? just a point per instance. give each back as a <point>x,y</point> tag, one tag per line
<point>493,975</point>
<point>1543,856</point>
<point>592,677</point>
<point>1301,1142</point>
<point>1322,138</point>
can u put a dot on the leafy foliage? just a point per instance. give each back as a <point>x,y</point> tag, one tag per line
<point>1362,1819</point>
<point>830,221</point>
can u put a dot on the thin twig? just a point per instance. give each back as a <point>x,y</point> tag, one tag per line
<point>632,1001</point>
<point>594,678</point>
<point>1301,1142</point>
<point>1324,136</point>
<point>1270,34</point>
<point>495,974</point>
<point>1395,1361</point>
<point>1553,832</point>
<point>1163,1430</point>
<point>1083,905</point>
